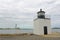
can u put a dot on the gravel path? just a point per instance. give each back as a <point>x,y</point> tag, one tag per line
<point>32,37</point>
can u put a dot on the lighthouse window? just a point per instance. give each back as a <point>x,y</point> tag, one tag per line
<point>41,16</point>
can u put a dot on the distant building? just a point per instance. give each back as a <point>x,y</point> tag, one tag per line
<point>42,25</point>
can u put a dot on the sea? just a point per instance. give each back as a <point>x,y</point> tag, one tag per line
<point>20,31</point>
<point>16,31</point>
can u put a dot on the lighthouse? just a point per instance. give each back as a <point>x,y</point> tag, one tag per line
<point>42,25</point>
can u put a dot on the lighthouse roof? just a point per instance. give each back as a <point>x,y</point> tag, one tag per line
<point>41,18</point>
<point>41,11</point>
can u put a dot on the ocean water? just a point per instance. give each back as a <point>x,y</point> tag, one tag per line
<point>17,31</point>
<point>56,30</point>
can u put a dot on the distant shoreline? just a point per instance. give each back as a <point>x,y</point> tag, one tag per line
<point>14,29</point>
<point>20,28</point>
<point>55,28</point>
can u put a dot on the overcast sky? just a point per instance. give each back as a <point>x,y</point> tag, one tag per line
<point>22,12</point>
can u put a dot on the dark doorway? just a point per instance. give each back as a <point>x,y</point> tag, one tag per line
<point>45,30</point>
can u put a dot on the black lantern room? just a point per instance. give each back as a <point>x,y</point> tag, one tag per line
<point>41,14</point>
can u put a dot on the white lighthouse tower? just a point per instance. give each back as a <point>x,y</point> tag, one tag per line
<point>42,25</point>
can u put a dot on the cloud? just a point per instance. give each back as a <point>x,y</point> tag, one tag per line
<point>12,11</point>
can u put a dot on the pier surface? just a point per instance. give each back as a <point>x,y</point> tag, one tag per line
<point>29,37</point>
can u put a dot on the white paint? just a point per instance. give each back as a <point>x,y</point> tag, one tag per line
<point>39,26</point>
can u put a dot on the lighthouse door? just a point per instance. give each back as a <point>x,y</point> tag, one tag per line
<point>45,30</point>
